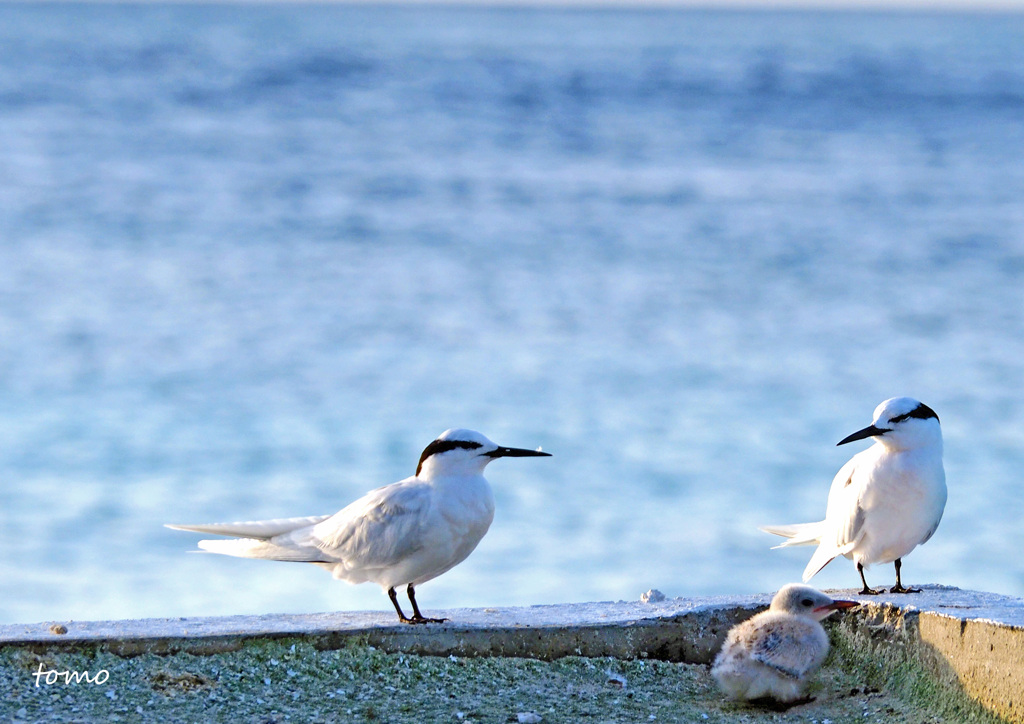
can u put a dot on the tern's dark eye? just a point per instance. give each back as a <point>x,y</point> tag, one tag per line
<point>807,602</point>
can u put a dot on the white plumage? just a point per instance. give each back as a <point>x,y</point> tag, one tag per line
<point>772,654</point>
<point>402,534</point>
<point>886,500</point>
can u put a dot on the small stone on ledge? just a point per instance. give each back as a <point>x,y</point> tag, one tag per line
<point>652,596</point>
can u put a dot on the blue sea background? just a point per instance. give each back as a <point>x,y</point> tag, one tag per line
<point>253,258</point>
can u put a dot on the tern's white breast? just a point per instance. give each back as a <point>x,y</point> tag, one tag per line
<point>461,513</point>
<point>902,496</point>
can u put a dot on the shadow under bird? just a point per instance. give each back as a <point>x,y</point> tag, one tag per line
<point>771,655</point>
<point>886,500</point>
<point>402,534</point>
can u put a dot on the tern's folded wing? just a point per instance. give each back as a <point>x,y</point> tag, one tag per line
<point>378,530</point>
<point>841,534</point>
<point>840,490</point>
<point>844,515</point>
<point>784,646</point>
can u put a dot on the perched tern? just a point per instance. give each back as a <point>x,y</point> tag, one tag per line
<point>886,500</point>
<point>402,534</point>
<point>772,654</point>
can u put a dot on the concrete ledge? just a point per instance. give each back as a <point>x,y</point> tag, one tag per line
<point>687,630</point>
<point>964,641</point>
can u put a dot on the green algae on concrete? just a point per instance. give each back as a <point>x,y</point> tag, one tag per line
<point>884,646</point>
<point>292,681</point>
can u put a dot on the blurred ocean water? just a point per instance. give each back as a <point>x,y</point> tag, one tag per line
<point>254,258</point>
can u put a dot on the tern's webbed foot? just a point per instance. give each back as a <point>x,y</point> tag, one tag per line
<point>869,592</point>
<point>423,619</point>
<point>901,589</point>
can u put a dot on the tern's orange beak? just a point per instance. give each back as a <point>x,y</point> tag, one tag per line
<point>836,605</point>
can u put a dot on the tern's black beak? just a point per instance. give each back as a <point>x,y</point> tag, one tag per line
<point>516,452</point>
<point>869,431</point>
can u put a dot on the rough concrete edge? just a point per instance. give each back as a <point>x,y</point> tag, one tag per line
<point>986,659</point>
<point>690,637</point>
<point>970,669</point>
<point>963,670</point>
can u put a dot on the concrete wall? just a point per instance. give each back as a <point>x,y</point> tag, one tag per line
<point>938,643</point>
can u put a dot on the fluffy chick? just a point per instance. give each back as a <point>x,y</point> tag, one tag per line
<point>772,654</point>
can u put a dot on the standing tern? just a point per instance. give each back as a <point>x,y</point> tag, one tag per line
<point>886,500</point>
<point>772,654</point>
<point>402,534</point>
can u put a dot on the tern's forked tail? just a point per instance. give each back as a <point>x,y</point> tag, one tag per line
<point>260,529</point>
<point>253,548</point>
<point>808,534</point>
<point>799,534</point>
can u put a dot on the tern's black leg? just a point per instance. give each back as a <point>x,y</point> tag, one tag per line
<point>865,591</point>
<point>898,588</point>
<point>418,617</point>
<point>394,599</point>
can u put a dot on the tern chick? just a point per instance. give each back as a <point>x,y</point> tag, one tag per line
<point>772,654</point>
<point>402,534</point>
<point>886,500</point>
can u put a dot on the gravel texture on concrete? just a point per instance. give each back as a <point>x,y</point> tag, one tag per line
<point>601,662</point>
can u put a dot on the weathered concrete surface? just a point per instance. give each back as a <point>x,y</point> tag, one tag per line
<point>986,658</point>
<point>688,630</point>
<point>965,640</point>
